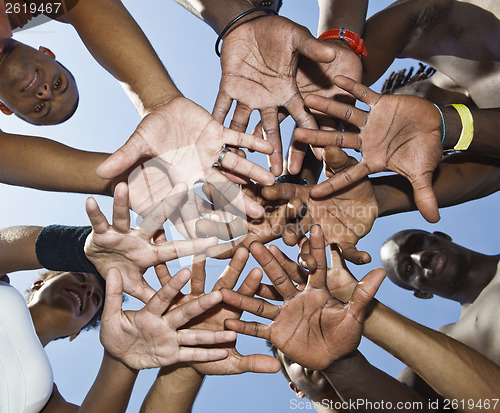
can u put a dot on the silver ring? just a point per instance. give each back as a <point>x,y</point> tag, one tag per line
<point>221,157</point>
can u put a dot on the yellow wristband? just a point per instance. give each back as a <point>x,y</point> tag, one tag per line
<point>467,128</point>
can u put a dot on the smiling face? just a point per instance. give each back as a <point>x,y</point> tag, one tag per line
<point>427,263</point>
<point>73,299</point>
<point>34,86</point>
<point>305,382</point>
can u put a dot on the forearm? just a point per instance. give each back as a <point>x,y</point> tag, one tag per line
<point>41,163</point>
<point>355,379</point>
<point>176,387</point>
<point>452,369</point>
<point>119,45</point>
<point>334,14</point>
<point>217,13</point>
<point>111,390</point>
<point>478,176</point>
<point>486,123</point>
<point>17,249</point>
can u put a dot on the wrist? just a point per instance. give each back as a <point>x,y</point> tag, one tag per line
<point>352,39</point>
<point>454,126</point>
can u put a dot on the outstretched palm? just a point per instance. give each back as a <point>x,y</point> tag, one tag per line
<point>310,327</point>
<point>400,134</point>
<point>259,63</point>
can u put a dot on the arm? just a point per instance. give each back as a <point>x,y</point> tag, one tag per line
<point>110,392</point>
<point>119,45</point>
<point>452,369</point>
<point>176,386</point>
<point>478,176</point>
<point>17,249</point>
<point>43,164</point>
<point>389,31</point>
<point>355,379</point>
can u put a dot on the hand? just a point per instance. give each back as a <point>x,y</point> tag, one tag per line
<point>214,318</point>
<point>259,63</point>
<point>153,337</point>
<point>311,327</point>
<point>345,217</point>
<point>271,226</point>
<point>186,142</point>
<point>130,250</point>
<point>400,134</point>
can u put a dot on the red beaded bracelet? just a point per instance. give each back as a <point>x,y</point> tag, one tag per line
<point>355,42</point>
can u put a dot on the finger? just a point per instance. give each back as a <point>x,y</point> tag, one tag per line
<point>305,259</point>
<point>161,270</point>
<point>259,133</point>
<point>221,107</point>
<point>114,294</point>
<point>268,292</point>
<point>253,305</point>
<point>280,192</point>
<point>243,140</point>
<point>226,250</point>
<point>221,230</point>
<point>259,363</point>
<point>231,273</point>
<point>198,274</point>
<point>313,48</point>
<point>425,199</point>
<point>359,91</point>
<point>271,131</point>
<point>241,116</point>
<point>96,217</point>
<point>317,279</point>
<point>176,249</point>
<point>351,253</point>
<point>242,202</point>
<point>336,159</point>
<point>188,337</point>
<point>154,221</point>
<point>293,270</point>
<point>364,293</point>
<point>121,213</point>
<point>341,180</point>
<point>296,154</point>
<point>343,111</point>
<point>186,312</point>
<point>274,271</point>
<point>190,354</point>
<point>295,208</point>
<point>159,303</point>
<point>244,167</point>
<point>124,158</point>
<point>248,328</point>
<point>251,283</point>
<point>325,138</point>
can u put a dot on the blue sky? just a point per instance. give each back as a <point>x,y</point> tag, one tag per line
<point>105,119</point>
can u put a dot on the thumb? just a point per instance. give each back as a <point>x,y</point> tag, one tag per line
<point>315,49</point>
<point>259,363</point>
<point>122,159</point>
<point>425,200</point>
<point>364,292</point>
<point>114,291</point>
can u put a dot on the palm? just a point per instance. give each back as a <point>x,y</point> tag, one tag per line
<point>400,134</point>
<point>308,319</point>
<point>325,325</point>
<point>259,63</point>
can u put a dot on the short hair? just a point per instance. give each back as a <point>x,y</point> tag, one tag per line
<point>282,368</point>
<point>95,321</point>
<point>397,80</point>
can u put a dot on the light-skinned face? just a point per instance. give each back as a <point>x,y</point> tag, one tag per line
<point>306,382</point>
<point>72,298</point>
<point>427,263</point>
<point>34,86</point>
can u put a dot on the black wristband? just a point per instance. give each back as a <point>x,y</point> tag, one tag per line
<point>267,10</point>
<point>292,179</point>
<point>61,248</point>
